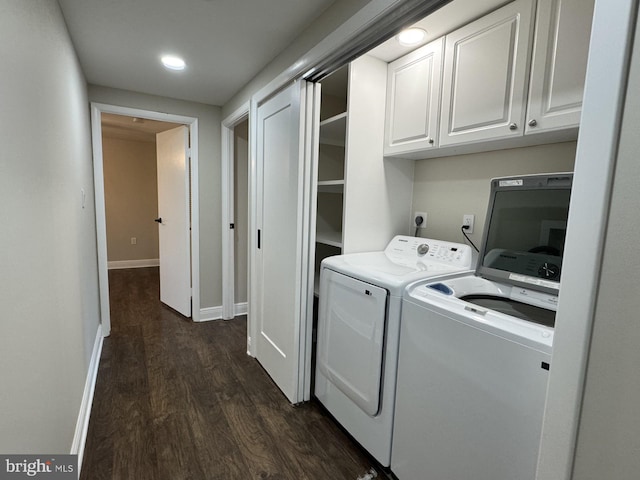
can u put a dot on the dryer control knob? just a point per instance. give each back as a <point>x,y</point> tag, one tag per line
<point>423,249</point>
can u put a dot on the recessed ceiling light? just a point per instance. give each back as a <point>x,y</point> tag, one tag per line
<point>411,36</point>
<point>173,63</point>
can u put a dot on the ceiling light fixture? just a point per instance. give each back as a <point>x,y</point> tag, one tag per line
<point>411,36</point>
<point>173,63</point>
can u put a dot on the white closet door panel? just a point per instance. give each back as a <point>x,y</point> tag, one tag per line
<point>280,170</point>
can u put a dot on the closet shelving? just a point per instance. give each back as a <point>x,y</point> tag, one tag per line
<point>331,162</point>
<point>331,168</point>
<point>362,199</point>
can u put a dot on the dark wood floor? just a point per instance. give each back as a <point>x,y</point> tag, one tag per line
<point>181,400</point>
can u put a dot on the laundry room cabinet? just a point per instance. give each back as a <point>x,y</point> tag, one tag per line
<point>413,100</point>
<point>486,67</point>
<point>363,199</point>
<point>559,64</point>
<point>513,77</point>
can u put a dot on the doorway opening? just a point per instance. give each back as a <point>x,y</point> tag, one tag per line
<point>109,121</point>
<point>235,214</point>
<point>131,189</point>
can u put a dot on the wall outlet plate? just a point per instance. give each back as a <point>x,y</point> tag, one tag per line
<point>468,220</point>
<point>424,219</point>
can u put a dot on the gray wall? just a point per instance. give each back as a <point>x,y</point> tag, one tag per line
<point>447,188</point>
<point>209,177</point>
<point>131,198</point>
<point>608,445</point>
<point>49,283</point>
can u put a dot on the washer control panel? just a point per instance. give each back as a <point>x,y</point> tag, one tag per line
<point>403,249</point>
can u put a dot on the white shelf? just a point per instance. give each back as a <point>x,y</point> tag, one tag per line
<point>330,238</point>
<point>333,130</point>
<point>331,186</point>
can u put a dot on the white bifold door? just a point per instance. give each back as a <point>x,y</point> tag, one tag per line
<point>284,132</point>
<point>174,229</point>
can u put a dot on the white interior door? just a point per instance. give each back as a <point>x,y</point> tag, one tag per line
<point>173,218</point>
<point>281,302</point>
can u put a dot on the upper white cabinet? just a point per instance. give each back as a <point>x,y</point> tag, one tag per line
<point>413,100</point>
<point>486,68</point>
<point>507,81</point>
<point>559,64</point>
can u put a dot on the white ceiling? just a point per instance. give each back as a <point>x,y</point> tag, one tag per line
<point>224,42</point>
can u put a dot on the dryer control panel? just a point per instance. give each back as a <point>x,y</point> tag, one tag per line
<point>402,249</point>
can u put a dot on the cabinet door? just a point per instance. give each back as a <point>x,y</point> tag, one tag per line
<point>486,75</point>
<point>559,64</point>
<point>413,100</point>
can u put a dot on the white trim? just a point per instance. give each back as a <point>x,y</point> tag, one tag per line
<point>195,220</point>
<point>228,213</point>
<point>97,109</point>
<point>82,424</point>
<point>101,216</point>
<point>311,152</point>
<point>121,264</point>
<point>252,237</point>
<point>210,313</point>
<point>612,32</point>
<point>240,309</point>
<point>215,313</point>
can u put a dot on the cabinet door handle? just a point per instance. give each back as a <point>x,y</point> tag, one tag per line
<point>533,122</point>
<point>513,126</point>
<point>431,141</point>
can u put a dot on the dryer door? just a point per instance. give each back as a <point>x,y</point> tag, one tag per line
<point>351,322</point>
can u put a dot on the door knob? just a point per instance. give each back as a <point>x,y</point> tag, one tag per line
<point>159,220</point>
<point>533,122</point>
<point>513,126</point>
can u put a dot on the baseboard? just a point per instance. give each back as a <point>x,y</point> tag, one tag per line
<point>240,309</point>
<point>148,262</point>
<point>82,425</point>
<point>210,313</point>
<point>215,313</point>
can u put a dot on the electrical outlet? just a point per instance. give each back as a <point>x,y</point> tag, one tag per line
<point>134,241</point>
<point>468,220</point>
<point>415,219</point>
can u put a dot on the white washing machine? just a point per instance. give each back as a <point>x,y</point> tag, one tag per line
<point>359,309</point>
<point>475,350</point>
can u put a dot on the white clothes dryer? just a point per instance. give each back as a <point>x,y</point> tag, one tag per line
<point>359,311</point>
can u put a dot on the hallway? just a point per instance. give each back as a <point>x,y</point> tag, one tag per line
<point>182,400</point>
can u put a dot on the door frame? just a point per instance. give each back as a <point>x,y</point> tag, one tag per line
<point>97,109</point>
<point>228,212</point>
